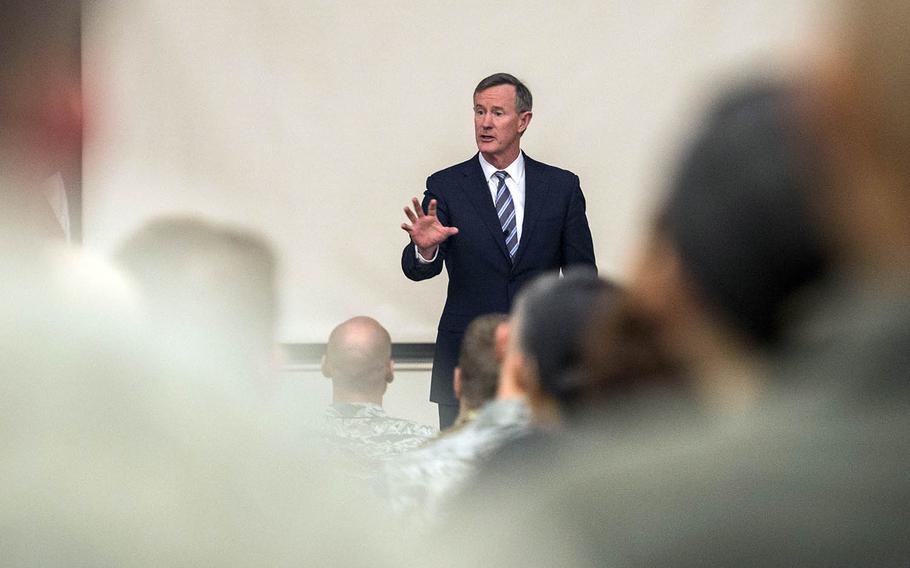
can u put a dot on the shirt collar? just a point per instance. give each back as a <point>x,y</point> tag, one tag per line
<point>355,410</point>
<point>516,169</point>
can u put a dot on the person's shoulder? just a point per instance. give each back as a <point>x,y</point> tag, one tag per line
<point>457,170</point>
<point>412,428</point>
<point>394,426</point>
<point>553,173</point>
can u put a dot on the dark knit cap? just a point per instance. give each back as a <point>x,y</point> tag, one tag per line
<point>738,211</point>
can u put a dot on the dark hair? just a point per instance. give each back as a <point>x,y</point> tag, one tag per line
<point>738,212</point>
<point>624,358</point>
<point>478,361</point>
<point>552,318</point>
<point>37,38</point>
<point>523,99</point>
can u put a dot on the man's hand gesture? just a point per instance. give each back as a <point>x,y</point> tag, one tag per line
<point>425,229</point>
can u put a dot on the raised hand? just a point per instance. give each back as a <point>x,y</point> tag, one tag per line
<point>425,229</point>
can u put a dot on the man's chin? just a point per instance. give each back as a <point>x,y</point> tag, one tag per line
<point>486,147</point>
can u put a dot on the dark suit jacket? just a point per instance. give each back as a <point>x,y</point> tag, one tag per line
<point>482,277</point>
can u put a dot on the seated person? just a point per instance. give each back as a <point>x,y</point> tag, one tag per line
<point>201,316</point>
<point>545,359</point>
<point>358,360</point>
<point>492,413</point>
<point>546,345</point>
<point>734,253</point>
<point>477,373</point>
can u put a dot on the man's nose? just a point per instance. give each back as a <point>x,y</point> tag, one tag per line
<point>487,121</point>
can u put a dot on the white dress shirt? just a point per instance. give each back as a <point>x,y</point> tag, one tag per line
<point>515,181</point>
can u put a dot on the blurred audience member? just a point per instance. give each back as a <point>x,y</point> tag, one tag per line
<point>112,458</point>
<point>210,295</point>
<point>734,250</point>
<point>40,117</point>
<point>544,357</point>
<point>626,363</point>
<point>545,349</point>
<point>358,359</point>
<point>421,483</point>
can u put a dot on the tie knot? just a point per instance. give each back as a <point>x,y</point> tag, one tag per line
<point>501,175</point>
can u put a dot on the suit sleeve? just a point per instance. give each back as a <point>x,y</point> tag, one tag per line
<point>411,267</point>
<point>577,244</point>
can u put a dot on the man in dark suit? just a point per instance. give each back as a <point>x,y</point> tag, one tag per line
<point>495,221</point>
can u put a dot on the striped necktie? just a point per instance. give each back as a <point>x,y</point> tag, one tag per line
<point>506,211</point>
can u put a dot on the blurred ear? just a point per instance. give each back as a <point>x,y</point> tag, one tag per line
<point>525,372</point>
<point>326,368</point>
<point>456,383</point>
<point>391,376</point>
<point>834,110</point>
<point>515,377</point>
<point>501,341</point>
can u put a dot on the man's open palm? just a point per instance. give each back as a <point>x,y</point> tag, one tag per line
<point>425,229</point>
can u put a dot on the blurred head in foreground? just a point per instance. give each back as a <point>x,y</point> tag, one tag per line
<point>358,359</point>
<point>209,291</point>
<point>111,460</point>
<point>477,374</point>
<point>734,246</point>
<point>40,110</point>
<point>548,326</point>
<point>625,360</point>
<point>862,113</point>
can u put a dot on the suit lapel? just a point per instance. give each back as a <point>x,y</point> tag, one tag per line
<point>478,191</point>
<point>536,188</point>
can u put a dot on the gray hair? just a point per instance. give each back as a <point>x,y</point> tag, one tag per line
<point>523,99</point>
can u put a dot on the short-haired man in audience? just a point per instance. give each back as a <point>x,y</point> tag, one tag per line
<point>421,482</point>
<point>358,359</point>
<point>477,373</point>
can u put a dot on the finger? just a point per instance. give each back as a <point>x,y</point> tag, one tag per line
<point>452,231</point>
<point>407,228</point>
<point>411,217</point>
<point>417,208</point>
<point>431,210</point>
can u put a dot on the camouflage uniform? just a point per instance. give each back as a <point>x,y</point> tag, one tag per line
<point>363,434</point>
<point>420,482</point>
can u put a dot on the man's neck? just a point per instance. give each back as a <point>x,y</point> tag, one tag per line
<point>502,161</point>
<point>341,396</point>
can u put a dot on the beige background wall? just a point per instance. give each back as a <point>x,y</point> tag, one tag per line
<point>316,121</point>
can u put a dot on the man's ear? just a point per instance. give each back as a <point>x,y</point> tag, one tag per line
<point>523,121</point>
<point>391,376</point>
<point>456,383</point>
<point>326,368</point>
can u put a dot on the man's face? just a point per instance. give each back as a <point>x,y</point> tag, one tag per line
<point>497,127</point>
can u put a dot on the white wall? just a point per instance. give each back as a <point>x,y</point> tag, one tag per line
<point>316,121</point>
